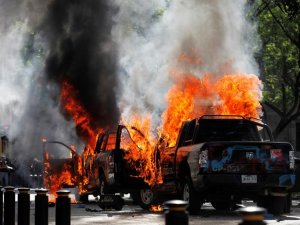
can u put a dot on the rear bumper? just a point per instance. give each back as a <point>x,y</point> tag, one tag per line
<point>232,183</point>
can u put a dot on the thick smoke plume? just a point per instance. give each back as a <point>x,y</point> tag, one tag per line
<point>215,32</point>
<point>117,54</point>
<point>43,44</point>
<point>81,52</point>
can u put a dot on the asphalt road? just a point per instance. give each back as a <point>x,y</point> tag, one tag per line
<point>83,214</point>
<point>132,214</point>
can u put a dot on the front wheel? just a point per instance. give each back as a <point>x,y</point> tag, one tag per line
<point>191,196</point>
<point>144,197</point>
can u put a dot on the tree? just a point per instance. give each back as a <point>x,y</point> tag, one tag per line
<point>279,58</point>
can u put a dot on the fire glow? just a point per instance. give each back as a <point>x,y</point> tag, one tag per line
<point>189,97</point>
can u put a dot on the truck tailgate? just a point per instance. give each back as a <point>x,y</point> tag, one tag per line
<point>246,157</point>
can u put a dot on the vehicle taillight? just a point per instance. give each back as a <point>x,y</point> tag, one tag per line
<point>203,157</point>
<point>292,159</point>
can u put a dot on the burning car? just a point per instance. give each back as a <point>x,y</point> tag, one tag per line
<point>224,159</point>
<point>107,169</point>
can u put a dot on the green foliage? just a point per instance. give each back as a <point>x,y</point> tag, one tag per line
<point>278,27</point>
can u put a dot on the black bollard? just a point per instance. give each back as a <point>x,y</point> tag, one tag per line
<point>252,215</point>
<point>23,206</point>
<point>41,207</point>
<point>63,208</point>
<point>1,205</point>
<point>9,206</point>
<point>176,213</point>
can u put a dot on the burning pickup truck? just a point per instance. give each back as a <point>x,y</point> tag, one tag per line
<point>224,159</point>
<point>116,165</point>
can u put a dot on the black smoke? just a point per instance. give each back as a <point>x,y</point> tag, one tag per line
<point>81,51</point>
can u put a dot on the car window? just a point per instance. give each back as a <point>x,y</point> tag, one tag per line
<point>132,139</point>
<point>226,130</point>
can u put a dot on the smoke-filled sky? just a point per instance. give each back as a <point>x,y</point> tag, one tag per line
<point>151,36</point>
<point>118,55</point>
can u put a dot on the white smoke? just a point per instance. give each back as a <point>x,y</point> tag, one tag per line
<point>152,34</point>
<point>28,112</point>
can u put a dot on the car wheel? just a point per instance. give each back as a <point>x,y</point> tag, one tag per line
<point>191,196</point>
<point>274,204</point>
<point>144,197</point>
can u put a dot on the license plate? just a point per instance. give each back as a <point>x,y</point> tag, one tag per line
<point>249,179</point>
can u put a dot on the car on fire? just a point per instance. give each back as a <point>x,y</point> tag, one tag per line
<point>218,159</point>
<point>107,168</point>
<point>225,159</point>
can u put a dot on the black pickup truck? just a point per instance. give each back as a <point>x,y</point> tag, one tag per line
<point>225,159</point>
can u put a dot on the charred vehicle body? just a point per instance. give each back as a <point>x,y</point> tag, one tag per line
<point>110,171</point>
<point>224,159</point>
<point>105,170</point>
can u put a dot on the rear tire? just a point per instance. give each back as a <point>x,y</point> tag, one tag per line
<point>144,197</point>
<point>191,196</point>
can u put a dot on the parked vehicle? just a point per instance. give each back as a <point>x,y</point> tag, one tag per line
<point>224,159</point>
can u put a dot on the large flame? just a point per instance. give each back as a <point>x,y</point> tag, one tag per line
<point>55,180</point>
<point>141,153</point>
<point>190,97</point>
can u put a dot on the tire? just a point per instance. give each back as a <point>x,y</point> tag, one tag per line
<point>119,204</point>
<point>191,196</point>
<point>144,197</point>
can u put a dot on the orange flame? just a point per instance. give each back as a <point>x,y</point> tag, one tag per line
<point>190,97</point>
<point>156,208</point>
<point>141,153</point>
<point>56,180</point>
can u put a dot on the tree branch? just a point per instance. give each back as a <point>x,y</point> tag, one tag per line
<point>297,43</point>
<point>274,108</point>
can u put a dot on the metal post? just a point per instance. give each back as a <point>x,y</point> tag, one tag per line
<point>252,215</point>
<point>1,205</point>
<point>9,206</point>
<point>176,213</point>
<point>23,206</point>
<point>41,207</point>
<point>63,208</point>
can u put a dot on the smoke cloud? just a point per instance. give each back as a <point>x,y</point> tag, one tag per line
<point>152,36</point>
<point>117,54</point>
<point>44,43</point>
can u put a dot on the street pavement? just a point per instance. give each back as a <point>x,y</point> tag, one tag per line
<point>82,214</point>
<point>131,214</point>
